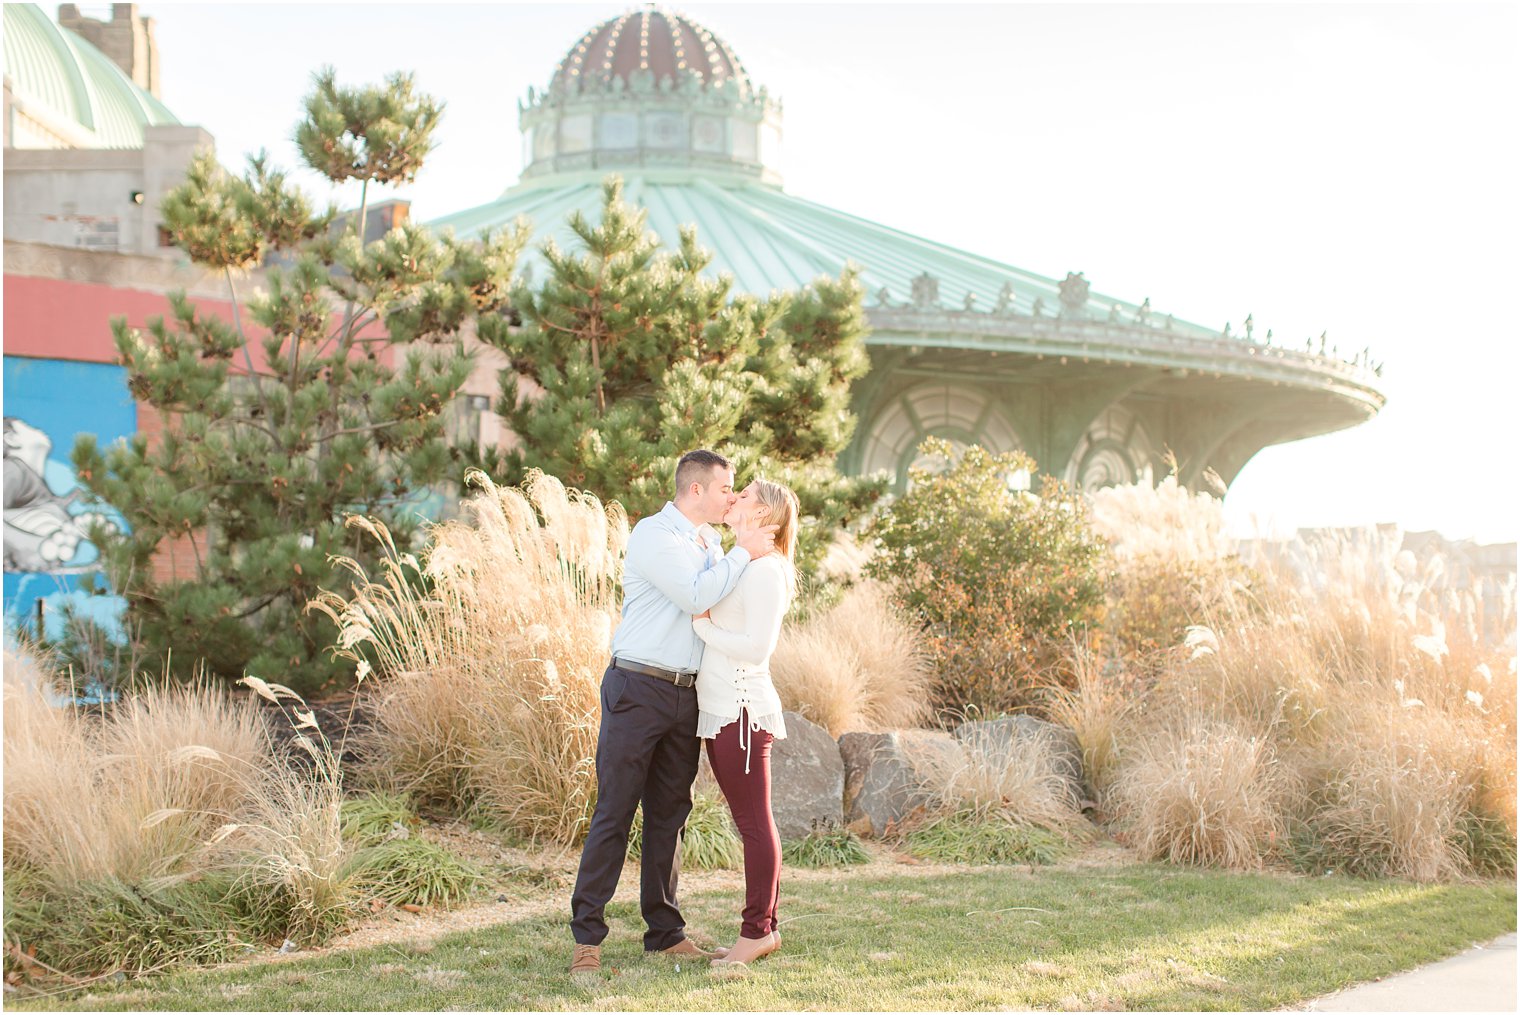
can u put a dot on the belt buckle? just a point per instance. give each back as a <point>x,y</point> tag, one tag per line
<point>686,680</point>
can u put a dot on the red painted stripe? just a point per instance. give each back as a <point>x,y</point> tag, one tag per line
<point>57,319</point>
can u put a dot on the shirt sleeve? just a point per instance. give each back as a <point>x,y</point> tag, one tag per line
<point>662,561</point>
<point>764,606</point>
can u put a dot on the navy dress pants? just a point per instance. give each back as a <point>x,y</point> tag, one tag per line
<point>646,752</point>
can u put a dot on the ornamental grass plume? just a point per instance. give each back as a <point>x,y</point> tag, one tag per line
<point>487,655</point>
<point>860,666</point>
<point>1358,677</point>
<point>80,790</point>
<point>1020,777</point>
<point>1093,698</point>
<point>1202,792</point>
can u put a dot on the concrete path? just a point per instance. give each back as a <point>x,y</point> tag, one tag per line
<point>1480,979</point>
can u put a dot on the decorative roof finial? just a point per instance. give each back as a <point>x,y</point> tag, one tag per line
<point>1074,290</point>
<point>1250,325</point>
<point>925,291</point>
<point>1005,298</point>
<point>1144,313</point>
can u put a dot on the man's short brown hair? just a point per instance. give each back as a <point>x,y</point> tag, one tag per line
<point>696,467</point>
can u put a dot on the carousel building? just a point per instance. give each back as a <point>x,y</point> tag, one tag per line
<point>1097,389</point>
<point>962,346</point>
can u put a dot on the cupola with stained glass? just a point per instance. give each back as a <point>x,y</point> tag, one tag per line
<point>651,88</point>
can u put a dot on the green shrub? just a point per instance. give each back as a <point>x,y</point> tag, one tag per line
<point>374,817</point>
<point>710,842</point>
<point>412,870</point>
<point>979,837</point>
<point>825,847</point>
<point>998,577</point>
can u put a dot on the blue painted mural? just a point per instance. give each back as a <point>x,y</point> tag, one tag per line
<point>48,403</point>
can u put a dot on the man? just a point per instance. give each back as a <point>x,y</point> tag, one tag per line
<point>647,748</point>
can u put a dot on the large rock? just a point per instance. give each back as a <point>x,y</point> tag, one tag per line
<point>807,779</point>
<point>888,776</point>
<point>994,739</point>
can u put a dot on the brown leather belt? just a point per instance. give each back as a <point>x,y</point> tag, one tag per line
<point>669,676</point>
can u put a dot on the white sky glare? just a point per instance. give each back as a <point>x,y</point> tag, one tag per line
<point>1349,169</point>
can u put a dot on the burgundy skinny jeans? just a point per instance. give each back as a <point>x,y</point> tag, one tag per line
<point>749,801</point>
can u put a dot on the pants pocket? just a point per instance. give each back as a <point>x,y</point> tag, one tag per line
<point>614,688</point>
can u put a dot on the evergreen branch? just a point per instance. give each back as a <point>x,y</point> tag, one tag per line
<point>249,421</point>
<point>237,320</point>
<point>359,429</point>
<point>358,325</point>
<point>258,606</point>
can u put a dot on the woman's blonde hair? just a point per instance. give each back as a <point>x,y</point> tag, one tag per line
<point>781,510</point>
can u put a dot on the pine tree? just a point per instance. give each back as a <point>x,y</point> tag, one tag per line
<point>628,356</point>
<point>332,404</point>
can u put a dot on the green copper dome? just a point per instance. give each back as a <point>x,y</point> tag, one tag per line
<point>60,78</point>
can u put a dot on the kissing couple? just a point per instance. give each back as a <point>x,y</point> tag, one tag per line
<point>691,664</point>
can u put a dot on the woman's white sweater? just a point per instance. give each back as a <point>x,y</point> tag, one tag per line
<point>735,672</point>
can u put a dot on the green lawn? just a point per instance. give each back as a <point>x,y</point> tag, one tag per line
<point>887,936</point>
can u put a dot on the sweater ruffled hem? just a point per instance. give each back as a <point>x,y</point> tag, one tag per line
<point>708,724</point>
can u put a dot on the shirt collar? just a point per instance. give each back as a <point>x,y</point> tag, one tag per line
<point>686,526</point>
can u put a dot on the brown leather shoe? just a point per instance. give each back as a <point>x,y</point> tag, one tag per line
<point>686,949</point>
<point>586,965</point>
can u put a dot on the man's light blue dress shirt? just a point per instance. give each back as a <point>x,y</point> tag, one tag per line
<point>669,577</point>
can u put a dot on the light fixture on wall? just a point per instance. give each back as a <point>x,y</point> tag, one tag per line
<point>137,197</point>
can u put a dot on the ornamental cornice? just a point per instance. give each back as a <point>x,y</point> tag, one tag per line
<point>1123,342</point>
<point>642,90</point>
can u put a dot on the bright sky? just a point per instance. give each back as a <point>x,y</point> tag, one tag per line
<point>1341,168</point>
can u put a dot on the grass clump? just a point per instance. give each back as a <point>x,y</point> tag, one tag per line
<point>412,870</point>
<point>375,817</point>
<point>108,924</point>
<point>710,841</point>
<point>825,847</point>
<point>1203,794</point>
<point>985,837</point>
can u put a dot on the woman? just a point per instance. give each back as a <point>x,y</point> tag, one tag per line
<point>739,712</point>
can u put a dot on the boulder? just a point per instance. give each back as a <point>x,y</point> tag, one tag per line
<point>807,779</point>
<point>890,775</point>
<point>994,738</point>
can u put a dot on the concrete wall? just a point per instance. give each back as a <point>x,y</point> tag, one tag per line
<point>83,198</point>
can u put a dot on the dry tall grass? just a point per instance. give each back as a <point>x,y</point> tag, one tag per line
<point>1205,793</point>
<point>1370,685</point>
<point>489,655</point>
<point>1023,778</point>
<point>79,794</point>
<point>154,831</point>
<point>860,666</point>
